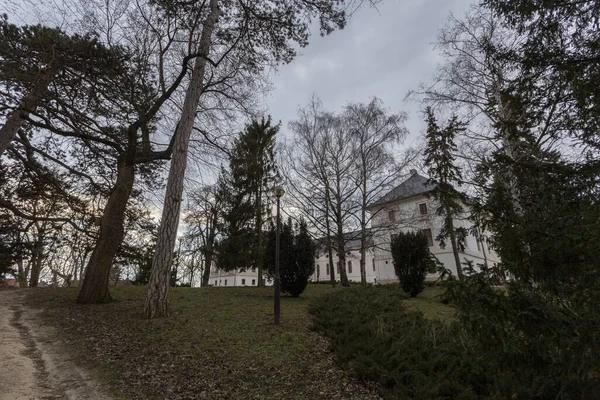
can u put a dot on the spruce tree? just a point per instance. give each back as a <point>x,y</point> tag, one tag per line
<point>440,161</point>
<point>251,175</point>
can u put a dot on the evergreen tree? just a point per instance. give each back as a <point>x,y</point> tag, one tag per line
<point>412,260</point>
<point>440,161</point>
<point>296,257</point>
<point>246,189</point>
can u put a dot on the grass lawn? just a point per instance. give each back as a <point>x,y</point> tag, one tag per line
<point>218,343</point>
<point>429,304</point>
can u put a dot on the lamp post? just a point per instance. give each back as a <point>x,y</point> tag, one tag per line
<point>278,190</point>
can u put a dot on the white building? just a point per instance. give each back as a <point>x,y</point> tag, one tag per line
<point>322,274</point>
<point>407,208</point>
<point>247,277</point>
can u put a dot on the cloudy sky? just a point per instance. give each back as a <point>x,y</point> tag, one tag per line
<point>383,52</point>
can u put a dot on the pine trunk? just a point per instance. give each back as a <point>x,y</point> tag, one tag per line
<point>15,119</point>
<point>158,288</point>
<point>36,263</point>
<point>96,281</point>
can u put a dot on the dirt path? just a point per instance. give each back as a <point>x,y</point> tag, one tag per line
<point>33,364</point>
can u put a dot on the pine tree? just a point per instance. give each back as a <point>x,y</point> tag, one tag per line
<point>252,172</point>
<point>440,160</point>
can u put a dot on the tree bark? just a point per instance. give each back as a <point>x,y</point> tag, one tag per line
<point>95,284</point>
<point>36,263</point>
<point>259,265</point>
<point>208,256</point>
<point>22,274</point>
<point>341,243</point>
<point>15,119</point>
<point>156,299</point>
<point>363,231</point>
<point>329,245</point>
<point>450,226</point>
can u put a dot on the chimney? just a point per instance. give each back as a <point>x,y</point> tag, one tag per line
<point>413,172</point>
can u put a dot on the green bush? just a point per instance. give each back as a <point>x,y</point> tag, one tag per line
<point>475,357</point>
<point>296,259</point>
<point>407,355</point>
<point>412,260</point>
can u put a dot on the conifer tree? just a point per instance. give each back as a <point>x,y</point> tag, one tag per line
<point>440,161</point>
<point>252,172</point>
<point>296,256</point>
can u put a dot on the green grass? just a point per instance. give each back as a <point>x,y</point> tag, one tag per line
<point>429,303</point>
<point>218,343</point>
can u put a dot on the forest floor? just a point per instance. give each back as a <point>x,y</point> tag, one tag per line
<point>33,363</point>
<point>218,343</point>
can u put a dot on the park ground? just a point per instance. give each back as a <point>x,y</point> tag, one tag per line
<point>218,343</point>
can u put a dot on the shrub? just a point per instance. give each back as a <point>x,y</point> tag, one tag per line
<point>412,260</point>
<point>407,355</point>
<point>296,259</point>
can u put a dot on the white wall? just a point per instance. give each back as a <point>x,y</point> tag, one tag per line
<point>408,217</point>
<point>353,256</point>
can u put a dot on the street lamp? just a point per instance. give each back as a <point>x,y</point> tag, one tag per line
<point>278,190</point>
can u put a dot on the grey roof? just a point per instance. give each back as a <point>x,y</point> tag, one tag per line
<point>413,186</point>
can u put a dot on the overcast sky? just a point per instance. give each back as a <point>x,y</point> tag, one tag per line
<point>383,52</point>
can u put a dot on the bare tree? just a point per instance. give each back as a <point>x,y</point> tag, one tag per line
<point>320,169</point>
<point>204,219</point>
<point>374,132</point>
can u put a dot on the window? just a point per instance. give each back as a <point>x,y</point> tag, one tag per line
<point>253,269</point>
<point>349,267</point>
<point>373,265</point>
<point>392,216</point>
<point>327,269</point>
<point>253,282</point>
<point>243,282</point>
<point>423,208</point>
<point>215,282</point>
<point>225,282</point>
<point>427,233</point>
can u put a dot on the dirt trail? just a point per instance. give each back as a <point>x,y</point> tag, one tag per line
<point>33,363</point>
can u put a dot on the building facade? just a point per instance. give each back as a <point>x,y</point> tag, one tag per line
<point>408,208</point>
<point>247,277</point>
<point>322,272</point>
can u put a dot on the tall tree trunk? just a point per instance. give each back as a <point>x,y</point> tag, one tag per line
<point>22,274</point>
<point>158,288</point>
<point>208,256</point>
<point>450,226</point>
<point>341,248</point>
<point>36,263</point>
<point>15,119</point>
<point>330,265</point>
<point>341,243</point>
<point>363,232</point>
<point>259,234</point>
<point>96,281</point>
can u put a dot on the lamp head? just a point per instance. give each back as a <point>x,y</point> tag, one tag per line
<point>278,190</point>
